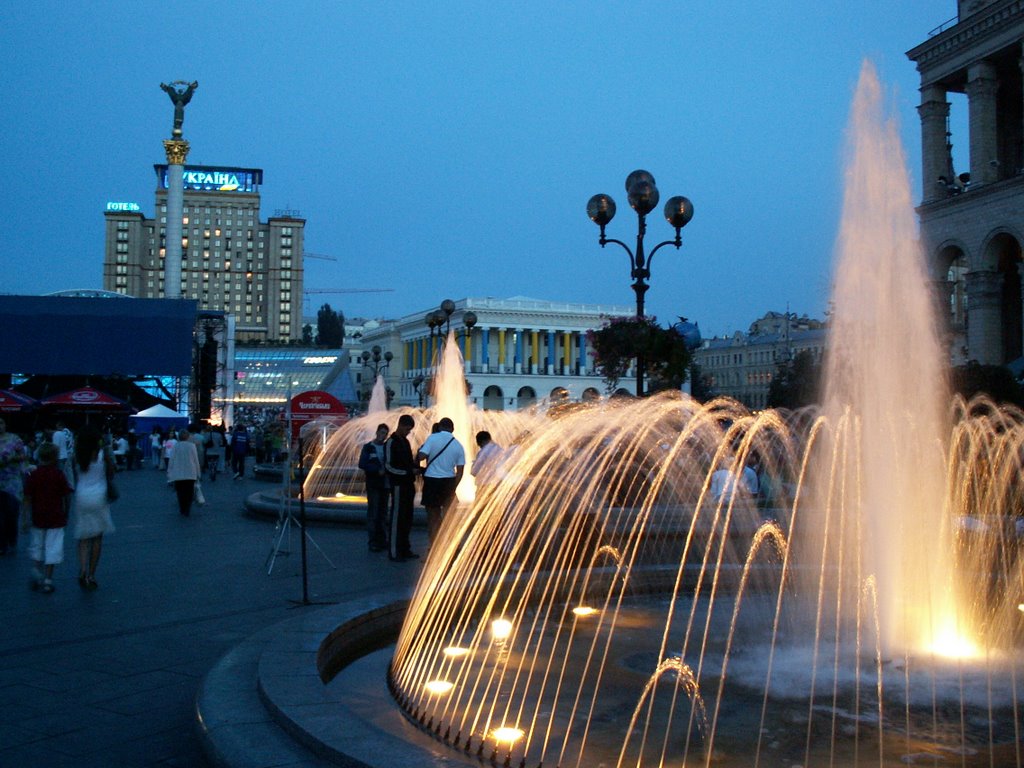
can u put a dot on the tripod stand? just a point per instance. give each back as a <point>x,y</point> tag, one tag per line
<point>285,518</point>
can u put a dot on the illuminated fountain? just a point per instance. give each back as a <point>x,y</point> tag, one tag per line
<point>335,477</point>
<point>600,607</point>
<point>378,398</point>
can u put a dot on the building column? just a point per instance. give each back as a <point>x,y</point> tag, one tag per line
<point>551,352</point>
<point>567,353</point>
<point>467,349</point>
<point>485,350</point>
<point>177,153</point>
<point>981,96</point>
<point>534,351</point>
<point>935,157</point>
<point>518,362</point>
<point>502,355</point>
<point>984,315</point>
<point>582,358</point>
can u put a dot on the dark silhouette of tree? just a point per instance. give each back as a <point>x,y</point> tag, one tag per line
<point>700,384</point>
<point>307,335</point>
<point>616,345</point>
<point>330,328</point>
<point>993,380</point>
<point>796,382</point>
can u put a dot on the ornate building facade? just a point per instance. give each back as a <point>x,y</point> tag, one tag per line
<point>743,365</point>
<point>230,259</point>
<point>518,352</point>
<point>972,222</point>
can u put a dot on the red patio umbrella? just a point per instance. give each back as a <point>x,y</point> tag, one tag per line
<point>87,399</point>
<point>15,402</point>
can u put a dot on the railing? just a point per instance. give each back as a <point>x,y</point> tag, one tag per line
<point>944,26</point>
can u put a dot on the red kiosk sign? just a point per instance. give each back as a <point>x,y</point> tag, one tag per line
<point>307,406</point>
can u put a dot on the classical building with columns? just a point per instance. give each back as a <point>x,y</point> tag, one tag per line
<point>518,352</point>
<point>972,222</point>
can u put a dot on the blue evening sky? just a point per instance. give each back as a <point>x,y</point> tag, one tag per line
<point>448,149</point>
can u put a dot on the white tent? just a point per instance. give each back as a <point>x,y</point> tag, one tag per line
<point>159,411</point>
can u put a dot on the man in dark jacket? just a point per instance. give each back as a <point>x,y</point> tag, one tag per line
<point>239,449</point>
<point>371,461</point>
<point>401,468</point>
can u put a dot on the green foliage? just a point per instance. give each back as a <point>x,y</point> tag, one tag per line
<point>796,382</point>
<point>617,344</point>
<point>307,335</point>
<point>330,328</point>
<point>993,380</point>
<point>700,384</point>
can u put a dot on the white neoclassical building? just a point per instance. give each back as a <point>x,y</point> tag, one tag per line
<point>519,351</point>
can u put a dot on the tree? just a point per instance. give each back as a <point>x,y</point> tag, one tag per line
<point>330,328</point>
<point>993,380</point>
<point>307,335</point>
<point>700,384</point>
<point>617,344</point>
<point>796,383</point>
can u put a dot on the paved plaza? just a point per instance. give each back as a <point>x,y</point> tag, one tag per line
<point>109,678</point>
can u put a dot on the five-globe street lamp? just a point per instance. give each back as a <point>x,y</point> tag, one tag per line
<point>642,193</point>
<point>376,362</point>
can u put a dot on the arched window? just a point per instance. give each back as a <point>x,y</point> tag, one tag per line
<point>494,399</point>
<point>526,397</point>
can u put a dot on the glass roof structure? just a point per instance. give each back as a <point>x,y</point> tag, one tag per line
<point>270,374</point>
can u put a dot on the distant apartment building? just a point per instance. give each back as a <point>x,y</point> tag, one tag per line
<point>743,365</point>
<point>231,260</point>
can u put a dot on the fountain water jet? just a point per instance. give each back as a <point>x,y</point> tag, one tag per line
<point>814,638</point>
<point>378,397</point>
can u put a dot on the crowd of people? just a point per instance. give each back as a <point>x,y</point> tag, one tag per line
<point>56,476</point>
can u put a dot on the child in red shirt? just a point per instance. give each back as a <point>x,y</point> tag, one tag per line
<point>47,492</point>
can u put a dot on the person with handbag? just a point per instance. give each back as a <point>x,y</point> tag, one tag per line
<point>446,461</point>
<point>91,502</point>
<point>183,471</point>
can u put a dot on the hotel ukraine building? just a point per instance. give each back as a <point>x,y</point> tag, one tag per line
<point>231,261</point>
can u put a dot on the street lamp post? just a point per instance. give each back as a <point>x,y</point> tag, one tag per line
<point>643,197</point>
<point>376,362</point>
<point>417,386</point>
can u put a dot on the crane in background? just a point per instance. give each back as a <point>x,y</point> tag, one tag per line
<point>311,291</point>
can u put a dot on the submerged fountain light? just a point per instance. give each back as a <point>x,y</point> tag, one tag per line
<point>455,651</point>
<point>438,687</point>
<point>501,629</point>
<point>731,629</point>
<point>952,644</point>
<point>507,734</point>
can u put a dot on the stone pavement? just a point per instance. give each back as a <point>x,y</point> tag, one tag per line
<point>109,678</point>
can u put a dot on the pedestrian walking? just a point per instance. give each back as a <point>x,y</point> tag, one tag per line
<point>183,471</point>
<point>13,460</point>
<point>47,494</point>
<point>239,449</point>
<point>91,503</point>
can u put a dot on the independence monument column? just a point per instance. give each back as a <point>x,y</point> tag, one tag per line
<point>177,151</point>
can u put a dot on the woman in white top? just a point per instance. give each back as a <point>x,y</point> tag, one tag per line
<point>91,504</point>
<point>183,470</point>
